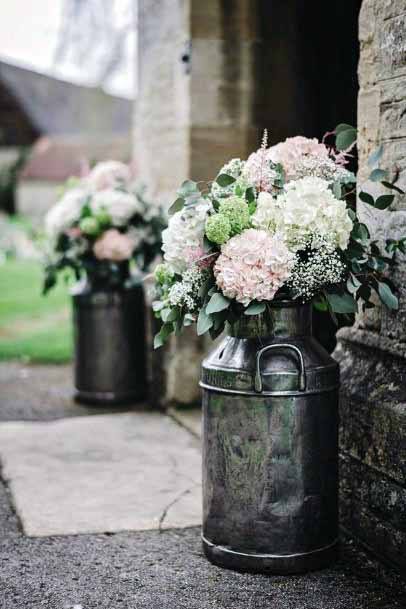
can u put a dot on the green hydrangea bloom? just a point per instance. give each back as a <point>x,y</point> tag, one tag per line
<point>236,210</point>
<point>89,226</point>
<point>103,218</point>
<point>218,228</point>
<point>163,274</point>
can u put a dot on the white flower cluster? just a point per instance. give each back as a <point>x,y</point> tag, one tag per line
<point>108,174</point>
<point>319,268</point>
<point>185,293</point>
<point>99,190</point>
<point>306,210</point>
<point>119,205</point>
<point>66,212</point>
<point>185,231</point>
<point>324,168</point>
<point>234,169</point>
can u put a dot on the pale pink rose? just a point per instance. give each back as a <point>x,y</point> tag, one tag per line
<point>253,266</point>
<point>109,174</point>
<point>113,245</point>
<point>291,152</point>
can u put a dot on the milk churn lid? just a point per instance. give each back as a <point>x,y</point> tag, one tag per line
<point>277,369</point>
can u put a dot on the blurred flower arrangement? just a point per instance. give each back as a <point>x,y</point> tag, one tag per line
<point>99,225</point>
<point>279,225</point>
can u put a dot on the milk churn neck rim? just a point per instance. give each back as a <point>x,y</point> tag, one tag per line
<point>281,318</point>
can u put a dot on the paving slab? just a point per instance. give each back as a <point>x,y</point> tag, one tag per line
<point>109,473</point>
<point>189,418</point>
<point>36,392</point>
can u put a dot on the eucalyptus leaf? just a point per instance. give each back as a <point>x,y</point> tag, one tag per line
<point>384,201</point>
<point>176,206</point>
<point>367,198</point>
<point>375,157</point>
<point>346,138</point>
<point>342,303</point>
<point>255,308</point>
<point>217,303</point>
<point>342,127</point>
<point>377,175</point>
<point>187,188</point>
<point>225,180</point>
<point>393,187</point>
<point>337,190</point>
<point>162,335</point>
<point>387,296</point>
<point>169,315</point>
<point>204,322</point>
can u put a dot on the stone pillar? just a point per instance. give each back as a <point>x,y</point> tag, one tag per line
<point>195,110</point>
<point>373,353</point>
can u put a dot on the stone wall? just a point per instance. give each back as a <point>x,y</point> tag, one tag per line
<point>373,353</point>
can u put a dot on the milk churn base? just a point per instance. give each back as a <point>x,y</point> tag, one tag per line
<point>270,563</point>
<point>107,398</point>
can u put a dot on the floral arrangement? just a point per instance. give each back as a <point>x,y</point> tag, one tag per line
<point>279,225</point>
<point>99,225</point>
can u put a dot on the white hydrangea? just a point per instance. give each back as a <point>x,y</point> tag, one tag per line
<point>304,212</point>
<point>108,174</point>
<point>120,206</point>
<point>65,212</point>
<point>185,232</point>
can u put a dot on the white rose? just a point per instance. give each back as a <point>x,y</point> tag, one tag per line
<point>120,206</point>
<point>108,174</point>
<point>65,212</point>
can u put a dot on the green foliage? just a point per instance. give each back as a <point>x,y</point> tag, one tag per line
<point>217,303</point>
<point>341,303</point>
<point>225,180</point>
<point>346,136</point>
<point>255,308</point>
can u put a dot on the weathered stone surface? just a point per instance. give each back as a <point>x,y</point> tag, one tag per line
<point>392,47</point>
<point>373,353</point>
<point>374,508</point>
<point>373,404</point>
<point>102,474</point>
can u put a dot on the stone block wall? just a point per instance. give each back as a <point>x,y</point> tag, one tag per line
<point>373,353</point>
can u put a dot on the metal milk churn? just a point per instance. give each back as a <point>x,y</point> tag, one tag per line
<point>109,345</point>
<point>270,445</point>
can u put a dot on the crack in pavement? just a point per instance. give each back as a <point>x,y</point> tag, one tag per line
<point>172,503</point>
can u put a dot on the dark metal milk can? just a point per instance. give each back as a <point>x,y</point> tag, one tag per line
<point>109,345</point>
<point>270,446</point>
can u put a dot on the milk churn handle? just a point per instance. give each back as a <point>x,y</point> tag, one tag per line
<point>258,377</point>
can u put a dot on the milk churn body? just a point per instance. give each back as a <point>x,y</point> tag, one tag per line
<point>270,446</point>
<point>110,344</point>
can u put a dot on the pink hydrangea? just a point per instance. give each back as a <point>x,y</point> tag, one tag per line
<point>253,266</point>
<point>109,174</point>
<point>291,152</point>
<point>113,245</point>
<point>258,172</point>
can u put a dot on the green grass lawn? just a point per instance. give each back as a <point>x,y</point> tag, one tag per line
<point>33,327</point>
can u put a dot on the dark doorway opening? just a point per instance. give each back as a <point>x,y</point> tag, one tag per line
<point>307,78</point>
